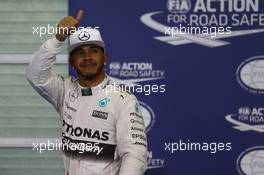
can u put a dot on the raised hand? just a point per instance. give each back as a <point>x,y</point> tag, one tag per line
<point>67,24</point>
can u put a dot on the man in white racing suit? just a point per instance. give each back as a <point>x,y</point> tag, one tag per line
<point>103,130</point>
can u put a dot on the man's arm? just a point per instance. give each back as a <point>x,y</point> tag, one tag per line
<point>39,73</point>
<point>131,138</point>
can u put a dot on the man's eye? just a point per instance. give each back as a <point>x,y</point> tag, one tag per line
<point>79,53</point>
<point>95,50</point>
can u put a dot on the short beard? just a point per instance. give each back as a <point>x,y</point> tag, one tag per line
<point>91,76</point>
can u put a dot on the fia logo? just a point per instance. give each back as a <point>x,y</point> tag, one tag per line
<point>250,162</point>
<point>179,6</point>
<point>103,102</point>
<point>250,74</point>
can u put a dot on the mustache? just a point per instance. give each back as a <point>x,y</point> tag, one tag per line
<point>88,63</point>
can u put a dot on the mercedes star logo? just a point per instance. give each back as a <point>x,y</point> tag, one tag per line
<point>84,36</point>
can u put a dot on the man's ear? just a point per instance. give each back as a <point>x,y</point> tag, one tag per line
<point>106,57</point>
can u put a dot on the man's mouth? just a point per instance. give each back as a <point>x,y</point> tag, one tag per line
<point>88,65</point>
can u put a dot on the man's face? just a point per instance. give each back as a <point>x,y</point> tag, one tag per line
<point>88,61</point>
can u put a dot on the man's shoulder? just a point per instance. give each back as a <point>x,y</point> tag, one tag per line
<point>69,81</point>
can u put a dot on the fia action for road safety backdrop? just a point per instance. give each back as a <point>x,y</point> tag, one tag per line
<point>201,93</point>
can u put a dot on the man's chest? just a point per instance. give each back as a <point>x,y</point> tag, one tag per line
<point>89,118</point>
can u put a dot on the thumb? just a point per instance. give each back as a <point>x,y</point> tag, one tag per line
<point>79,16</point>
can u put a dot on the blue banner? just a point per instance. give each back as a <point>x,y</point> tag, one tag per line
<point>197,68</point>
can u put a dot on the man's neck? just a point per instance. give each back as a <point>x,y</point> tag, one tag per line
<point>93,82</point>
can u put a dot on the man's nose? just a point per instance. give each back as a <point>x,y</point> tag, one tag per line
<point>88,55</point>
